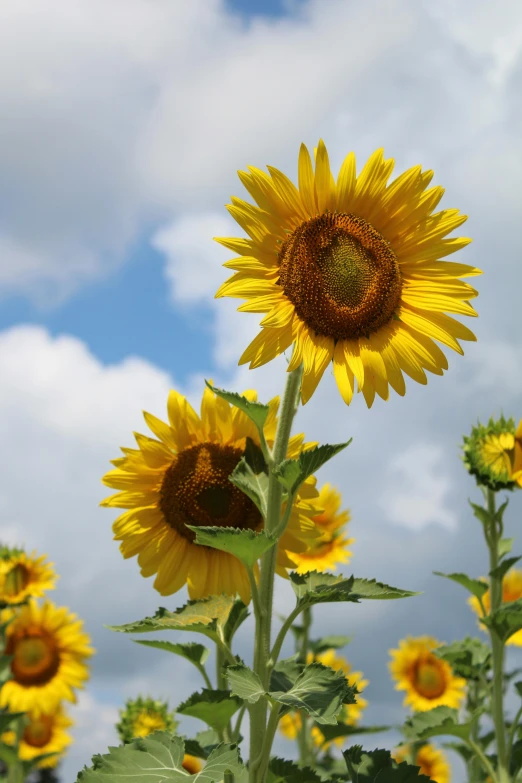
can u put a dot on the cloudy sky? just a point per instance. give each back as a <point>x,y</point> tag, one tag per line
<point>123,125</point>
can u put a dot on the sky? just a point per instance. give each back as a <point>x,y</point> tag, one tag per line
<point>124,124</point>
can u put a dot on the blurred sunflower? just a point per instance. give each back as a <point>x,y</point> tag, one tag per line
<point>349,272</point>
<point>432,761</point>
<point>493,454</point>
<point>143,716</point>
<point>181,479</point>
<point>48,648</point>
<point>331,548</point>
<point>511,591</point>
<point>192,764</point>
<point>428,681</point>
<point>44,733</point>
<point>23,576</point>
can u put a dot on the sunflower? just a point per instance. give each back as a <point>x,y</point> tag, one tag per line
<point>192,764</point>
<point>332,547</point>
<point>428,681</point>
<point>43,733</point>
<point>143,716</point>
<point>431,760</point>
<point>349,272</point>
<point>181,479</point>
<point>24,576</point>
<point>49,648</point>
<point>511,591</point>
<point>493,454</point>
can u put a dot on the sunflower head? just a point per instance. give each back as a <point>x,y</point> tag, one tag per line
<point>428,681</point>
<point>332,546</point>
<point>43,733</point>
<point>349,272</point>
<point>142,716</point>
<point>192,764</point>
<point>24,576</point>
<point>432,761</point>
<point>493,454</point>
<point>511,591</point>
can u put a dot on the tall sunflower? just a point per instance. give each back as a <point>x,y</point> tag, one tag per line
<point>511,591</point>
<point>23,576</point>
<point>44,733</point>
<point>428,681</point>
<point>349,272</point>
<point>181,479</point>
<point>331,548</point>
<point>431,760</point>
<point>49,649</point>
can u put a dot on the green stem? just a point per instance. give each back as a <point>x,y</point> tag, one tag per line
<point>276,649</point>
<point>473,703</point>
<point>497,645</point>
<point>237,727</point>
<point>258,748</point>
<point>273,722</point>
<point>485,761</point>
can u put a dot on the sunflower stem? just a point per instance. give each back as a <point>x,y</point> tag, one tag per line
<point>303,732</point>
<point>260,744</point>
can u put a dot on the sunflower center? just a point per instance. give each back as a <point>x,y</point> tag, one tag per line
<point>498,452</point>
<point>196,491</point>
<point>39,732</point>
<point>148,722</point>
<point>35,659</point>
<point>16,580</point>
<point>341,276</point>
<point>429,680</point>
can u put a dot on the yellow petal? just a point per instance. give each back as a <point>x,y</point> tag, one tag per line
<point>306,181</point>
<point>323,180</point>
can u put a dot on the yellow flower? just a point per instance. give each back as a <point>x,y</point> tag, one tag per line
<point>332,547</point>
<point>349,272</point>
<point>181,479</point>
<point>432,761</point>
<point>192,764</point>
<point>49,648</point>
<point>511,591</point>
<point>143,716</point>
<point>44,733</point>
<point>330,518</point>
<point>24,576</point>
<point>493,454</point>
<point>428,681</point>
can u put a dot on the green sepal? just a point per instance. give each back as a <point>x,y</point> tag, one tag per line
<point>501,570</point>
<point>476,587</point>
<point>336,642</point>
<point>378,766</point>
<point>283,771</point>
<point>214,707</point>
<point>158,758</point>
<point>506,621</point>
<point>439,722</point>
<point>256,411</point>
<point>6,718</point>
<point>192,651</point>
<point>319,691</point>
<point>251,476</point>
<point>292,472</point>
<point>466,657</point>
<point>246,545</point>
<point>244,683</point>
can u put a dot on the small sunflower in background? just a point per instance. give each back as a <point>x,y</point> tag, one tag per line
<point>181,478</point>
<point>511,591</point>
<point>493,454</point>
<point>142,716</point>
<point>428,681</point>
<point>331,549</point>
<point>349,272</point>
<point>432,761</point>
<point>25,576</point>
<point>49,649</point>
<point>43,733</point>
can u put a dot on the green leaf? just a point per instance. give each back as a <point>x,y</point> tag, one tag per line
<point>329,643</point>
<point>285,674</point>
<point>466,656</point>
<point>244,683</point>
<point>438,722</point>
<point>252,479</point>
<point>292,472</point>
<point>317,588</point>
<point>504,546</point>
<point>370,589</point>
<point>344,730</point>
<point>500,571</point>
<point>193,652</point>
<point>214,707</point>
<point>481,513</point>
<point>507,620</point>
<point>238,615</point>
<point>205,616</point>
<point>6,718</point>
<point>246,545</point>
<point>256,411</point>
<point>158,758</point>
<point>518,688</point>
<point>476,587</point>
<point>319,691</point>
<point>515,761</point>
<point>283,771</point>
<point>377,766</point>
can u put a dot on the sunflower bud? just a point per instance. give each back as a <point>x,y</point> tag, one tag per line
<point>141,717</point>
<point>493,454</point>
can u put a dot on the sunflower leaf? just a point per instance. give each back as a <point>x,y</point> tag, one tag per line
<point>465,656</point>
<point>212,706</point>
<point>504,546</point>
<point>318,690</point>
<point>344,730</point>
<point>329,643</point>
<point>6,718</point>
<point>247,477</point>
<point>370,589</point>
<point>315,587</point>
<point>246,545</point>
<point>507,620</point>
<point>238,615</point>
<point>292,472</point>
<point>377,766</point>
<point>196,653</point>
<point>500,571</point>
<point>256,411</point>
<point>158,758</point>
<point>283,771</point>
<point>285,674</point>
<point>244,683</point>
<point>476,587</point>
<point>515,762</point>
<point>438,722</point>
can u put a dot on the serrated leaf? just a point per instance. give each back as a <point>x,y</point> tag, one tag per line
<point>158,758</point>
<point>370,589</point>
<point>507,620</point>
<point>6,718</point>
<point>377,766</point>
<point>283,771</point>
<point>193,652</point>
<point>256,411</point>
<point>292,472</point>
<point>237,616</point>
<point>212,706</point>
<point>317,588</point>
<point>285,674</point>
<point>344,730</point>
<point>329,643</point>
<point>465,656</point>
<point>244,683</point>
<point>319,691</point>
<point>505,546</point>
<point>476,587</point>
<point>438,722</point>
<point>246,545</point>
<point>252,481</point>
<point>501,570</point>
<point>204,616</point>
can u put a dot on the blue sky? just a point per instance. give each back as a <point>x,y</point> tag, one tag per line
<point>119,153</point>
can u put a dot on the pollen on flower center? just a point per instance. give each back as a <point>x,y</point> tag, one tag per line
<point>429,679</point>
<point>39,731</point>
<point>35,659</point>
<point>341,276</point>
<point>196,491</point>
